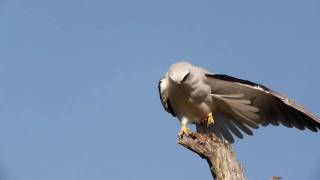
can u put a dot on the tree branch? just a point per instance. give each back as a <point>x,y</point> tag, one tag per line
<point>219,155</point>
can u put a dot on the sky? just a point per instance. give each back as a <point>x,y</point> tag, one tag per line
<point>78,84</point>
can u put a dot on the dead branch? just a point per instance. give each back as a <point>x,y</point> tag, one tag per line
<point>219,155</point>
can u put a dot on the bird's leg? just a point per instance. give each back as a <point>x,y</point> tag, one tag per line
<point>184,129</point>
<point>209,118</point>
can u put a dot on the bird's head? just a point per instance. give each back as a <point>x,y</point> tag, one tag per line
<point>179,72</point>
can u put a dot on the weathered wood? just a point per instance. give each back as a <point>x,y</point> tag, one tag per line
<point>276,178</point>
<point>219,155</point>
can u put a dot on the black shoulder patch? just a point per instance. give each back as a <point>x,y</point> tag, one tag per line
<point>170,108</point>
<point>165,102</point>
<point>233,79</point>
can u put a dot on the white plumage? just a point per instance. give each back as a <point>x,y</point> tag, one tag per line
<point>192,93</point>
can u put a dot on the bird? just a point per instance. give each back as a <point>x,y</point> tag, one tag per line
<point>227,106</point>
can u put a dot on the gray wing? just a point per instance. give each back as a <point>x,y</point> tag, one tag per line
<point>224,128</point>
<point>245,105</point>
<point>163,92</point>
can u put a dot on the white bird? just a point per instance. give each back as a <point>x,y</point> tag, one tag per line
<point>226,105</point>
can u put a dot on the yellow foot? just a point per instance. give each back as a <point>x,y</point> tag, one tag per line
<point>209,118</point>
<point>183,131</point>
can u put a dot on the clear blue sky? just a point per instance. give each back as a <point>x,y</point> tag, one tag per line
<point>78,84</point>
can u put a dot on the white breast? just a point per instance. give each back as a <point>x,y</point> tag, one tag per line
<point>191,101</point>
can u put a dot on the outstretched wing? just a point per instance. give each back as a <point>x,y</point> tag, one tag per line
<point>163,92</point>
<point>248,104</point>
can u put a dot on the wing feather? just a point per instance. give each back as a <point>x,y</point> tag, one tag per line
<point>163,92</point>
<point>232,127</point>
<point>222,128</point>
<point>248,104</point>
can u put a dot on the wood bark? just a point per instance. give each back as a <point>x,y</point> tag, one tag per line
<point>219,155</point>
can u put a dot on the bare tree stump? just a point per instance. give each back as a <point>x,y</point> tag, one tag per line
<point>219,155</point>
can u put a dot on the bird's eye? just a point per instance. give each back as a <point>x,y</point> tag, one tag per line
<point>185,77</point>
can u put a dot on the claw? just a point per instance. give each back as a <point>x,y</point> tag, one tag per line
<point>209,118</point>
<point>183,131</point>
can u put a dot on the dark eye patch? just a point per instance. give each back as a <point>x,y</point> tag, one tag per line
<point>185,77</point>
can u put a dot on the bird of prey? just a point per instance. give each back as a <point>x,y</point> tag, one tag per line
<point>225,105</point>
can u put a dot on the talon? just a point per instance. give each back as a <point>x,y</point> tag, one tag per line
<point>183,131</point>
<point>209,118</point>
